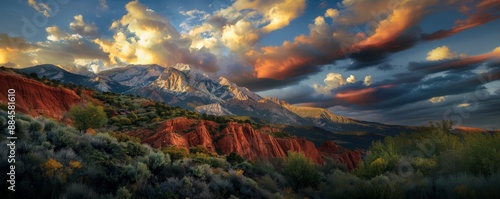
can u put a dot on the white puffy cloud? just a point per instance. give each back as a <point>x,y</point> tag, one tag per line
<point>319,21</point>
<point>351,79</point>
<point>332,81</point>
<point>332,13</point>
<point>441,53</point>
<point>241,36</point>
<point>368,80</point>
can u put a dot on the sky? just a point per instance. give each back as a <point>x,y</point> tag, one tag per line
<point>392,61</point>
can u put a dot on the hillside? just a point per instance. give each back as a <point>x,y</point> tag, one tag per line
<point>160,125</point>
<point>36,98</point>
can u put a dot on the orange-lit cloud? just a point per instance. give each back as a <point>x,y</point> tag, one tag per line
<point>485,11</point>
<point>364,96</point>
<point>325,43</point>
<point>292,59</point>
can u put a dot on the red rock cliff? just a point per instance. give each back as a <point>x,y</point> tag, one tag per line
<point>241,139</point>
<point>35,98</point>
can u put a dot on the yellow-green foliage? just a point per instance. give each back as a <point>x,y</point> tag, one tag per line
<point>175,153</point>
<point>86,116</point>
<point>434,151</point>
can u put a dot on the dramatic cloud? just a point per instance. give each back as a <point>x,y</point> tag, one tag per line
<point>301,57</point>
<point>327,43</point>
<point>436,100</point>
<point>16,51</point>
<point>144,37</point>
<point>485,11</point>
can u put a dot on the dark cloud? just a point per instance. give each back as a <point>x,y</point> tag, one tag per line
<point>263,84</point>
<point>405,98</point>
<point>453,65</point>
<point>376,55</point>
<point>485,11</point>
<point>295,94</point>
<point>385,67</point>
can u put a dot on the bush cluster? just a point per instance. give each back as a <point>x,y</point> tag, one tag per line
<point>56,161</point>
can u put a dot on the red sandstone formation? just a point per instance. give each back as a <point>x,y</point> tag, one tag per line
<point>35,98</point>
<point>243,140</point>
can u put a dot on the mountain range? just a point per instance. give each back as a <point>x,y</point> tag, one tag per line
<point>184,86</point>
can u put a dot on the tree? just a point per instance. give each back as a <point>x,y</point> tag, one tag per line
<point>86,116</point>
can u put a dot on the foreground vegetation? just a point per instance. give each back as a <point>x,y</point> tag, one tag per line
<point>57,161</point>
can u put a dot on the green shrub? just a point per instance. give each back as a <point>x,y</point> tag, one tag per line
<point>301,170</point>
<point>86,116</point>
<point>122,137</point>
<point>175,153</point>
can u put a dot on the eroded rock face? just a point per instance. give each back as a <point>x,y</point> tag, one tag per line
<point>35,98</point>
<point>243,140</point>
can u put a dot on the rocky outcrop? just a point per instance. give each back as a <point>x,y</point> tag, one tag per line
<point>241,139</point>
<point>35,98</point>
<point>348,157</point>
